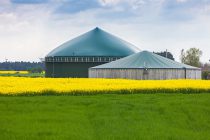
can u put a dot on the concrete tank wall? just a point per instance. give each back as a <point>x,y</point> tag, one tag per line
<point>150,74</point>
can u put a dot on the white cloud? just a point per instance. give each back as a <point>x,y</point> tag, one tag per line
<point>126,3</point>
<point>28,32</point>
<point>109,2</point>
<point>181,1</point>
<point>22,34</point>
<point>4,2</point>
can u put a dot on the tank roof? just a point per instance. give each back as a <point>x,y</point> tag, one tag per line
<point>96,42</point>
<point>145,59</point>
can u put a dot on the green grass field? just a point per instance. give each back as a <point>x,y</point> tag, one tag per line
<point>106,117</point>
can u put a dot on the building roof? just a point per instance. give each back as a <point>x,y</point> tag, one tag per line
<point>95,43</point>
<point>145,59</point>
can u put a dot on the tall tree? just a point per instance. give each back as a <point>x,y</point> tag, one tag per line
<point>191,57</point>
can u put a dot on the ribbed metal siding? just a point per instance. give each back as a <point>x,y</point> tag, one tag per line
<point>153,74</point>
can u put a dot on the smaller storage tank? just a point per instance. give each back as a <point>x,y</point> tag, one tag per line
<point>145,65</point>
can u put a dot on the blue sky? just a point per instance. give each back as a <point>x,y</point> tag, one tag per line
<point>29,29</point>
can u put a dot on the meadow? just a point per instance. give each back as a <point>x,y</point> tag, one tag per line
<point>106,117</point>
<point>103,109</point>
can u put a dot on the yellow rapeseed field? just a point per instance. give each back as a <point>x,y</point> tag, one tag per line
<point>22,85</point>
<point>13,72</point>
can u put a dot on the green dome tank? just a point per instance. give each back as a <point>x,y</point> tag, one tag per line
<point>96,42</point>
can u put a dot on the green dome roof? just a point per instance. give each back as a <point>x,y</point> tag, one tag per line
<point>95,43</point>
<point>145,59</point>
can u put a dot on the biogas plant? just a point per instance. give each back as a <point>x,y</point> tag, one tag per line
<point>99,54</point>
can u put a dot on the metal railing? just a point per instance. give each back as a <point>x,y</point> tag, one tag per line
<point>80,59</point>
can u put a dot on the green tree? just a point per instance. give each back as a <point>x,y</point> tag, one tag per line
<point>191,57</point>
<point>166,54</point>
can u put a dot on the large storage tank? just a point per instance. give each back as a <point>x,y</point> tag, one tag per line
<point>96,47</point>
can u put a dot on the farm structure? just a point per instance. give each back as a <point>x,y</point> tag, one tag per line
<point>145,65</point>
<point>96,47</point>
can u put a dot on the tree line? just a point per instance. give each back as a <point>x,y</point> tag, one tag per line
<point>23,66</point>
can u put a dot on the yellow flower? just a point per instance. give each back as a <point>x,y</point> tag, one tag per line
<point>22,85</point>
<point>13,72</point>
